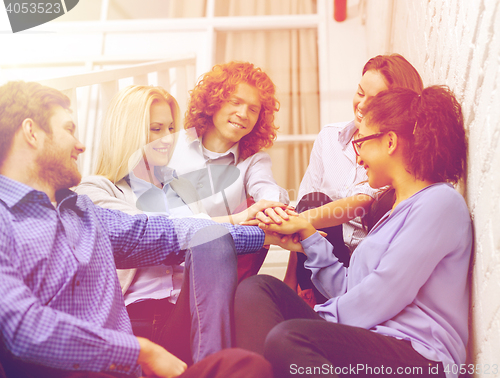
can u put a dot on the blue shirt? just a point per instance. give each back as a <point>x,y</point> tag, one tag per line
<point>408,278</point>
<point>60,300</point>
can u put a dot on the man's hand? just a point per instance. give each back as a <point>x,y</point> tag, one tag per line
<point>290,244</point>
<point>157,361</point>
<point>269,212</point>
<point>294,225</point>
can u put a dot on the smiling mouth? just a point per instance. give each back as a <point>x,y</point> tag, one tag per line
<point>237,125</point>
<point>359,114</point>
<point>161,150</point>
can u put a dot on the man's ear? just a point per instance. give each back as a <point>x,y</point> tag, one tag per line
<point>392,138</point>
<point>31,132</point>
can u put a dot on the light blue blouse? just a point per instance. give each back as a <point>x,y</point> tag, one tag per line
<point>408,278</point>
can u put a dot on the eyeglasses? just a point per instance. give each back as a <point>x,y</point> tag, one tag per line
<point>356,143</point>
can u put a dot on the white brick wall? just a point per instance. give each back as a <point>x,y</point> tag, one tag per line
<point>457,43</point>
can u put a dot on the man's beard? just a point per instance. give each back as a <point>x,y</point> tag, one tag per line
<point>56,168</point>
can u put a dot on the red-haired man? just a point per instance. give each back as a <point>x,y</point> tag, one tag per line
<point>230,119</point>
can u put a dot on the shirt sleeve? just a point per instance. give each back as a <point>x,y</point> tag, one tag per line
<point>433,229</point>
<point>259,180</point>
<point>363,188</point>
<point>140,240</point>
<point>61,341</point>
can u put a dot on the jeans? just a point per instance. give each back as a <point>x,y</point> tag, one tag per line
<point>272,320</point>
<point>201,321</point>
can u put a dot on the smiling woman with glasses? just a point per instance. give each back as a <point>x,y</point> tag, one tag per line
<point>403,301</point>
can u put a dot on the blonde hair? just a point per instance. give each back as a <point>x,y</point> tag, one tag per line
<point>125,129</point>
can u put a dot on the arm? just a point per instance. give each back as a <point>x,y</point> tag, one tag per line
<point>33,331</point>
<point>257,212</point>
<point>259,180</point>
<point>339,211</point>
<point>143,241</point>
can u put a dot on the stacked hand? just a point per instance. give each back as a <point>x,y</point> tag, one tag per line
<point>282,225</point>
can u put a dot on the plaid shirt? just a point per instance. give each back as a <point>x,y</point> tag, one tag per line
<point>60,300</point>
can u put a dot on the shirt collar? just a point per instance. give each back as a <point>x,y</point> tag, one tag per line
<point>346,134</point>
<point>233,151</point>
<point>197,143</point>
<point>165,174</point>
<point>12,192</point>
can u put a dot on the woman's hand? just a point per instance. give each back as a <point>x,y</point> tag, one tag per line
<point>294,225</point>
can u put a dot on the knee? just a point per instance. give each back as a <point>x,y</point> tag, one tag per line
<point>254,286</point>
<point>281,344</point>
<point>213,244</point>
<point>214,233</point>
<point>281,337</point>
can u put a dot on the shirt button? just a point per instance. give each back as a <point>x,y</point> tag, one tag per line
<point>167,271</point>
<point>76,366</point>
<point>200,186</point>
<point>77,283</point>
<point>112,367</point>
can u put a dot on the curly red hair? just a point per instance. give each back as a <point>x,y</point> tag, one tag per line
<point>217,86</point>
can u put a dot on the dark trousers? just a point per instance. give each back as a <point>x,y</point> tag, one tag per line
<point>165,323</point>
<point>272,320</point>
<point>334,236</point>
<point>228,363</point>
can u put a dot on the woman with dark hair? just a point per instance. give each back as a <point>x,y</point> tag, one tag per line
<point>334,194</point>
<point>401,307</point>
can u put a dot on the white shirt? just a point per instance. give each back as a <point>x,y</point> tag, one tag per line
<point>224,181</point>
<point>333,170</point>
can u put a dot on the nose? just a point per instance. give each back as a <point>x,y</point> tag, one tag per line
<point>167,138</point>
<point>80,147</point>
<point>242,111</point>
<point>359,160</point>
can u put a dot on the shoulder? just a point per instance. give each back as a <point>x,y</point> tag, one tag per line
<point>443,193</point>
<point>95,182</point>
<point>335,127</point>
<point>330,133</point>
<point>99,187</point>
<point>256,160</point>
<point>442,201</point>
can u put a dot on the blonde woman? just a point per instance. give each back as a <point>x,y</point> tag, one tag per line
<point>137,138</point>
